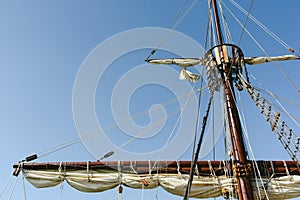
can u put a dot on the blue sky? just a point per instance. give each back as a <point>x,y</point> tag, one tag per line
<point>44,43</point>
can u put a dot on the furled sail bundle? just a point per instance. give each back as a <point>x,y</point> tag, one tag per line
<point>182,62</point>
<point>280,179</point>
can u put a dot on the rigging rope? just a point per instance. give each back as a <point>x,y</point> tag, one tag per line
<point>294,103</point>
<point>110,127</point>
<point>244,126</point>
<point>273,35</point>
<point>198,112</point>
<point>246,20</point>
<point>281,107</point>
<point>226,28</point>
<point>264,51</point>
<point>13,189</point>
<point>173,25</point>
<point>278,107</point>
<point>23,185</point>
<point>287,137</point>
<point>195,159</point>
<point>176,123</point>
<point>7,183</point>
<point>152,127</point>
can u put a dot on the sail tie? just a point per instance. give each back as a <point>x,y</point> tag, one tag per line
<point>225,168</point>
<point>178,168</point>
<point>149,167</point>
<point>61,175</point>
<point>197,170</point>
<point>119,173</point>
<point>212,171</point>
<point>131,166</point>
<point>88,170</point>
<point>286,168</point>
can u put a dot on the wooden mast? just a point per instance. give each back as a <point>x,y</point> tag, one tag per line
<point>238,147</point>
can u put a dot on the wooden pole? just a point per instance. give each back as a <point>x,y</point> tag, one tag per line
<point>240,168</point>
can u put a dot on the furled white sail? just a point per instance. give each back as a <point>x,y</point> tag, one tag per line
<point>260,60</point>
<point>182,62</point>
<point>203,186</point>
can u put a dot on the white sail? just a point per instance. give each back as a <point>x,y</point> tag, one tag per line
<point>203,186</point>
<point>260,60</point>
<point>182,62</point>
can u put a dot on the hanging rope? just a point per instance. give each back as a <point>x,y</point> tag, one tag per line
<point>195,159</point>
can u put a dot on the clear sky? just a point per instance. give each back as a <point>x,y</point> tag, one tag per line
<point>44,45</point>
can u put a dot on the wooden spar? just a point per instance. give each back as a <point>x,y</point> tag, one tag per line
<point>238,147</point>
<point>266,168</point>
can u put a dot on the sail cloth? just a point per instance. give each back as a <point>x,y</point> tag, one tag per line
<point>260,60</point>
<point>188,62</point>
<point>203,186</point>
<point>182,62</point>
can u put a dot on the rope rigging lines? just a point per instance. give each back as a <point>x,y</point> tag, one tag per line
<point>289,80</point>
<point>262,26</point>
<point>174,23</point>
<point>76,140</point>
<point>287,137</point>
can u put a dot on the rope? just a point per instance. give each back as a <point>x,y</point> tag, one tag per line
<point>226,28</point>
<point>208,29</point>
<point>246,20</point>
<point>286,77</point>
<point>293,103</point>
<point>278,107</point>
<point>273,35</point>
<point>286,136</point>
<point>176,124</point>
<point>110,127</point>
<point>13,189</point>
<point>142,192</point>
<point>278,102</point>
<point>198,112</point>
<point>7,183</point>
<point>190,181</point>
<point>264,51</point>
<point>173,25</point>
<point>23,185</point>
<point>244,125</point>
<point>150,128</point>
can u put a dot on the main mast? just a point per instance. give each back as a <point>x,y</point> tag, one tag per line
<point>226,67</point>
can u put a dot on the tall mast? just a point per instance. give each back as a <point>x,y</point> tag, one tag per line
<point>238,147</point>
